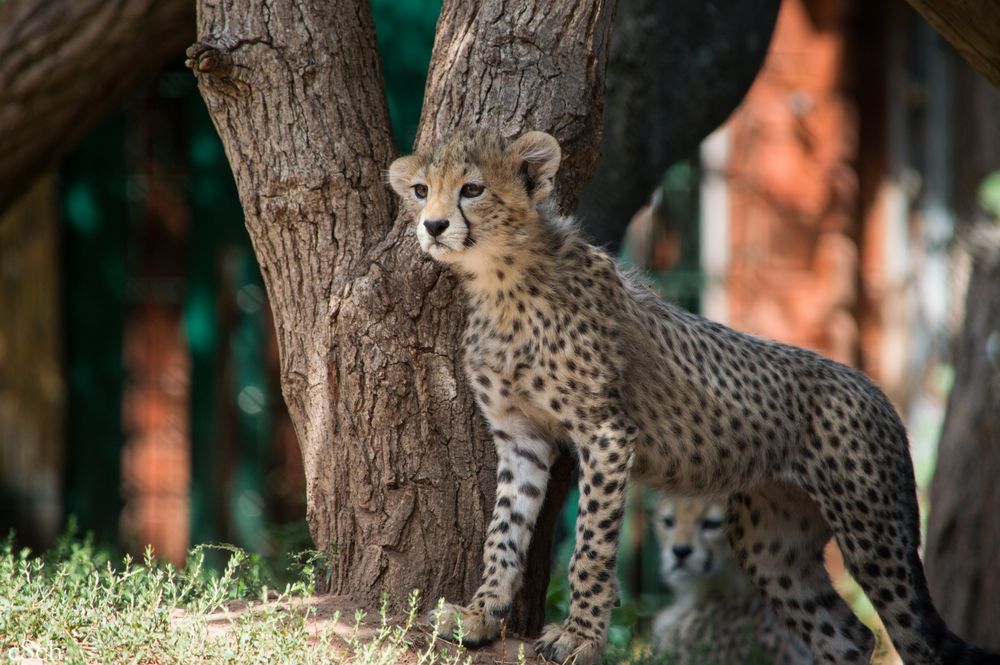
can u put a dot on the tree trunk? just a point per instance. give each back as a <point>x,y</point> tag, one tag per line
<point>65,63</point>
<point>32,388</point>
<point>963,535</point>
<point>399,471</point>
<point>963,531</point>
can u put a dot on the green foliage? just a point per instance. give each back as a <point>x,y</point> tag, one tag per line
<point>77,604</point>
<point>73,604</point>
<point>405,32</point>
<point>989,194</point>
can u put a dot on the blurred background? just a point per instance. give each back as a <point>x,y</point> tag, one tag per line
<point>139,389</point>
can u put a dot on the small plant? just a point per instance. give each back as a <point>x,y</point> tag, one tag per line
<point>74,605</point>
<point>989,194</point>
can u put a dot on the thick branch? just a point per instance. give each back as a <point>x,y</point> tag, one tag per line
<point>971,27</point>
<point>65,63</point>
<point>541,67</point>
<point>676,71</point>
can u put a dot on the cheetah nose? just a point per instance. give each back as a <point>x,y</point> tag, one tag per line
<point>682,552</point>
<point>436,226</point>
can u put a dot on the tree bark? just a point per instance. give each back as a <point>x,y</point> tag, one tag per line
<point>65,63</point>
<point>399,470</point>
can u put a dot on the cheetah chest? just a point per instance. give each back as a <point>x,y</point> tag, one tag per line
<point>530,367</point>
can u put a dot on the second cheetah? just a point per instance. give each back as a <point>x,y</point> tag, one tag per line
<point>716,615</point>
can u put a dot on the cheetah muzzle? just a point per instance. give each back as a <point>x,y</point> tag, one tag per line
<point>560,345</point>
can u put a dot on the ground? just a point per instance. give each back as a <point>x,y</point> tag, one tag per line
<point>324,617</point>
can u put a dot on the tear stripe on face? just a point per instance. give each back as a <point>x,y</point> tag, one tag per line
<point>469,240</point>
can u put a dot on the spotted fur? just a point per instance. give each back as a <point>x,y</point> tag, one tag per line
<point>560,345</point>
<point>716,615</point>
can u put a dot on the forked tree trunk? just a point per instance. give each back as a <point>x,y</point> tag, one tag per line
<point>399,471</point>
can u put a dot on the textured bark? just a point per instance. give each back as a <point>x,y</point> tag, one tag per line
<point>541,67</point>
<point>963,536</point>
<point>65,63</point>
<point>399,472</point>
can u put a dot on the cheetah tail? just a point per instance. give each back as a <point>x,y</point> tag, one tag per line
<point>956,651</point>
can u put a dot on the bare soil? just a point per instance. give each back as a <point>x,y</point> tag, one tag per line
<point>327,608</point>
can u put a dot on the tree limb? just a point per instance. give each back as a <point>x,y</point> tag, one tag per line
<point>65,63</point>
<point>971,27</point>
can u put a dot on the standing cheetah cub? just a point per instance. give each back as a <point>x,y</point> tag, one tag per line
<point>561,346</point>
<point>717,616</point>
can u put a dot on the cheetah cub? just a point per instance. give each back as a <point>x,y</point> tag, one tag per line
<point>561,346</point>
<point>717,616</point>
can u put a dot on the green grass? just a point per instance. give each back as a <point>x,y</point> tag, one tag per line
<point>78,604</point>
<point>75,605</point>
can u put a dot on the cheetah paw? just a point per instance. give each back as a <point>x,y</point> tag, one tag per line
<point>474,624</point>
<point>559,644</point>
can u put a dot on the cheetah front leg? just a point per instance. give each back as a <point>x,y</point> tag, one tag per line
<point>523,463</point>
<point>605,458</point>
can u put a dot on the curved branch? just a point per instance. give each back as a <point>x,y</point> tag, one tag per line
<point>65,63</point>
<point>971,27</point>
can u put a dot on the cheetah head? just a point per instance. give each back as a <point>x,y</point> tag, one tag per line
<point>693,543</point>
<point>475,196</point>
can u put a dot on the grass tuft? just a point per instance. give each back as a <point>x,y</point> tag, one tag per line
<point>74,605</point>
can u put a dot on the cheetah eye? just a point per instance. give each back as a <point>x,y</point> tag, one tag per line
<point>711,524</point>
<point>668,522</point>
<point>471,190</point>
<point>420,191</point>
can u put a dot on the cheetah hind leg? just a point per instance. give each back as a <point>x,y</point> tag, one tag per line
<point>889,570</point>
<point>779,535</point>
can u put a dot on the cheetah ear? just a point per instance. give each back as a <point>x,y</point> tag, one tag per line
<point>537,155</point>
<point>401,172</point>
